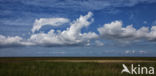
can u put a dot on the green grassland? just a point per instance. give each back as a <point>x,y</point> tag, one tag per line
<point>48,67</point>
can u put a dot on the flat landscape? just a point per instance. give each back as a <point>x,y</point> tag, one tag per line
<point>71,66</point>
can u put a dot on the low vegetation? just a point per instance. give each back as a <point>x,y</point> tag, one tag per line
<point>50,68</point>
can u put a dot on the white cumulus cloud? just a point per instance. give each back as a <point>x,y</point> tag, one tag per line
<point>116,31</point>
<point>70,36</point>
<point>9,41</point>
<point>39,23</point>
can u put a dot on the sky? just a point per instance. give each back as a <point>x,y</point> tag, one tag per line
<point>81,28</point>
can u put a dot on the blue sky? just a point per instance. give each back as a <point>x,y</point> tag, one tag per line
<point>77,28</point>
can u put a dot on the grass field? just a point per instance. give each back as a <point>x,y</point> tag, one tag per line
<point>94,66</point>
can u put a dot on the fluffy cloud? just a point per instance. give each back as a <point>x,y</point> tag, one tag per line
<point>10,41</point>
<point>7,41</point>
<point>73,36</point>
<point>152,34</point>
<point>70,36</point>
<point>39,23</point>
<point>116,31</point>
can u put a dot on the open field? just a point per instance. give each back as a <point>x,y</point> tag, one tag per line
<point>87,66</point>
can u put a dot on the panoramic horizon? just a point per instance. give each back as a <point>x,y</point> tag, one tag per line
<point>77,28</point>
